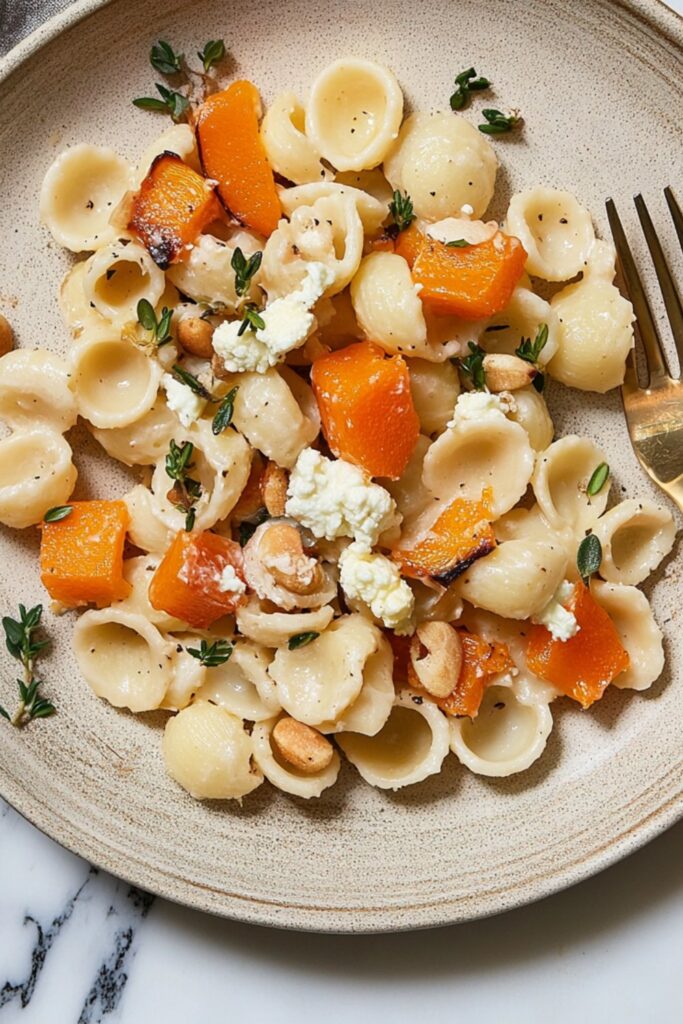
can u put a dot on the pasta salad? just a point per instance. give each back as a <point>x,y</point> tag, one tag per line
<point>350,531</point>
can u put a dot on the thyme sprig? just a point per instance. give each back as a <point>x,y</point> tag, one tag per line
<point>171,102</point>
<point>465,83</point>
<point>473,366</point>
<point>212,54</point>
<point>185,491</point>
<point>598,480</point>
<point>252,321</point>
<point>163,58</point>
<point>589,557</point>
<point>301,640</point>
<point>498,123</point>
<point>244,269</point>
<point>160,330</point>
<point>402,213</point>
<point>223,417</point>
<point>192,382</point>
<point>212,655</point>
<point>22,645</point>
<point>530,352</point>
<point>57,513</point>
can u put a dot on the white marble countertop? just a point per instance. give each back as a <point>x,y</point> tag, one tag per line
<point>76,945</point>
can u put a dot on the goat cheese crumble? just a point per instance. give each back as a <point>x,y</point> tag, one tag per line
<point>288,322</point>
<point>376,581</point>
<point>182,400</point>
<point>229,581</point>
<point>334,499</point>
<point>479,405</point>
<point>555,617</point>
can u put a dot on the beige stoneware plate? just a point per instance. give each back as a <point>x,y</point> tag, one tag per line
<point>600,87</point>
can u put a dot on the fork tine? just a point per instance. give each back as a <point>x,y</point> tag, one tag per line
<point>654,354</point>
<point>672,299</point>
<point>675,212</point>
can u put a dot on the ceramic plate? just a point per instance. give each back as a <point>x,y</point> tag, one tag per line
<point>599,84</point>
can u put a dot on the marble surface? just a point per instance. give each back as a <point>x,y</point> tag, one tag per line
<point>77,945</point>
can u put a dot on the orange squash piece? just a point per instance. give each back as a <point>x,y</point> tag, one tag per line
<point>172,207</point>
<point>460,535</point>
<point>232,153</point>
<point>81,556</point>
<point>583,666</point>
<point>366,407</point>
<point>481,661</point>
<point>472,282</point>
<point>187,582</point>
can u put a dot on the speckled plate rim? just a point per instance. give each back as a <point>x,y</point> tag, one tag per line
<point>661,19</point>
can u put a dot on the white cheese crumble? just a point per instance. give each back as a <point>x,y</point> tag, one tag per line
<point>229,581</point>
<point>334,499</point>
<point>376,581</point>
<point>182,400</point>
<point>555,617</point>
<point>287,324</point>
<point>479,405</point>
<point>467,210</point>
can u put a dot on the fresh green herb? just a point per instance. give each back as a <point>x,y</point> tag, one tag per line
<point>248,528</point>
<point>301,640</point>
<point>401,210</point>
<point>173,103</point>
<point>530,351</point>
<point>19,637</point>
<point>223,417</point>
<point>163,58</point>
<point>498,123</point>
<point>459,243</point>
<point>190,381</point>
<point>244,269</point>
<point>252,321</point>
<point>598,480</point>
<point>211,655</point>
<point>465,83</point>
<point>589,556</point>
<point>185,491</point>
<point>212,54</point>
<point>473,366</point>
<point>159,329</point>
<point>54,515</point>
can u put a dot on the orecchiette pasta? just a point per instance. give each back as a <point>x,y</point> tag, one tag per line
<point>444,164</point>
<point>524,314</point>
<point>387,305</point>
<point>114,382</point>
<point>635,537</point>
<point>560,480</point>
<point>372,707</point>
<point>124,658</point>
<point>138,572</point>
<point>36,473</point>
<point>595,329</point>
<point>480,453</point>
<point>372,212</point>
<point>506,737</point>
<point>373,183</point>
<point>517,579</point>
<point>285,776</point>
<point>409,748</point>
<point>207,275</point>
<point>34,388</point>
<point>319,682</point>
<point>289,150</point>
<point>434,387</point>
<point>188,675</point>
<point>354,113</point>
<point>555,230</point>
<point>146,530</point>
<point>118,276</point>
<point>242,684</point>
<point>329,231</point>
<point>630,611</point>
<point>207,751</point>
<point>267,414</point>
<point>79,194</point>
<point>274,628</point>
<point>78,313</point>
<point>143,442</point>
<point>179,139</point>
<point>531,412</point>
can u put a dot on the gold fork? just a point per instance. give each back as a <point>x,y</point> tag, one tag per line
<point>654,412</point>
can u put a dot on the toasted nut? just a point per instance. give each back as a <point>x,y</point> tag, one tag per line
<point>282,556</point>
<point>301,746</point>
<point>274,489</point>
<point>439,669</point>
<point>6,336</point>
<point>196,335</point>
<point>507,373</point>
